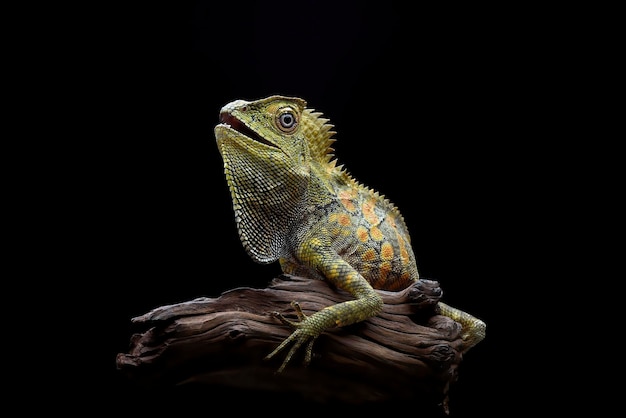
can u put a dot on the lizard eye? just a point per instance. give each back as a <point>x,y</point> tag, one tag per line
<point>287,120</point>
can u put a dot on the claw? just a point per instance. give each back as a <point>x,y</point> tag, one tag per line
<point>296,306</point>
<point>284,320</point>
<point>301,316</point>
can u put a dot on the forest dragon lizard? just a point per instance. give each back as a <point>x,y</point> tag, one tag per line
<point>294,204</point>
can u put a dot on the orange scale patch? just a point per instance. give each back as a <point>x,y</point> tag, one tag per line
<point>368,212</point>
<point>404,254</point>
<point>362,234</point>
<point>384,270</point>
<point>344,219</point>
<point>348,204</point>
<point>386,251</point>
<point>376,234</point>
<point>369,255</point>
<point>346,194</point>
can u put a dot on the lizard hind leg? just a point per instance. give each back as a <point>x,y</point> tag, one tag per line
<point>473,328</point>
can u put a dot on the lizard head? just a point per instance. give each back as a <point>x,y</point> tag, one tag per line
<point>269,147</point>
<point>267,128</point>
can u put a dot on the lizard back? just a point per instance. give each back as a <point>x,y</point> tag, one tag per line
<point>367,231</point>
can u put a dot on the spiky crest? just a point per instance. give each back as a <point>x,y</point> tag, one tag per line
<point>319,133</point>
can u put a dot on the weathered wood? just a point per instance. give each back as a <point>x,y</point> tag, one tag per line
<point>405,351</point>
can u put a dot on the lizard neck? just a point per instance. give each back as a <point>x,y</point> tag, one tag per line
<point>266,207</point>
<point>321,189</point>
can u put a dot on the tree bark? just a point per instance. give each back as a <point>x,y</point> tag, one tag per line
<point>406,351</point>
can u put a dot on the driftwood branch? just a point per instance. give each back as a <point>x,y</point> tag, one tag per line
<point>406,351</point>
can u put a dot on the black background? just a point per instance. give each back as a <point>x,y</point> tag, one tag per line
<point>441,110</point>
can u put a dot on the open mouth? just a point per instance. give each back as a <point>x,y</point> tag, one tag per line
<point>237,125</point>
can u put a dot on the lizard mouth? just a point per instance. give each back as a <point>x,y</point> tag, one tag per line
<point>237,125</point>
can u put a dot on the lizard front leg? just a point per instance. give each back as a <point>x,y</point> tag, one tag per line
<point>338,272</point>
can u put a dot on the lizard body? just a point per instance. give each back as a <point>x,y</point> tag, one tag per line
<point>293,204</point>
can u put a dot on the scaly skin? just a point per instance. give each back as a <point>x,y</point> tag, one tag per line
<point>294,205</point>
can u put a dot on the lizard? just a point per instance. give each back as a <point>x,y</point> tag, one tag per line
<point>293,203</point>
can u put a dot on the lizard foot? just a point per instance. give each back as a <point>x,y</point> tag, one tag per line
<point>305,332</point>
